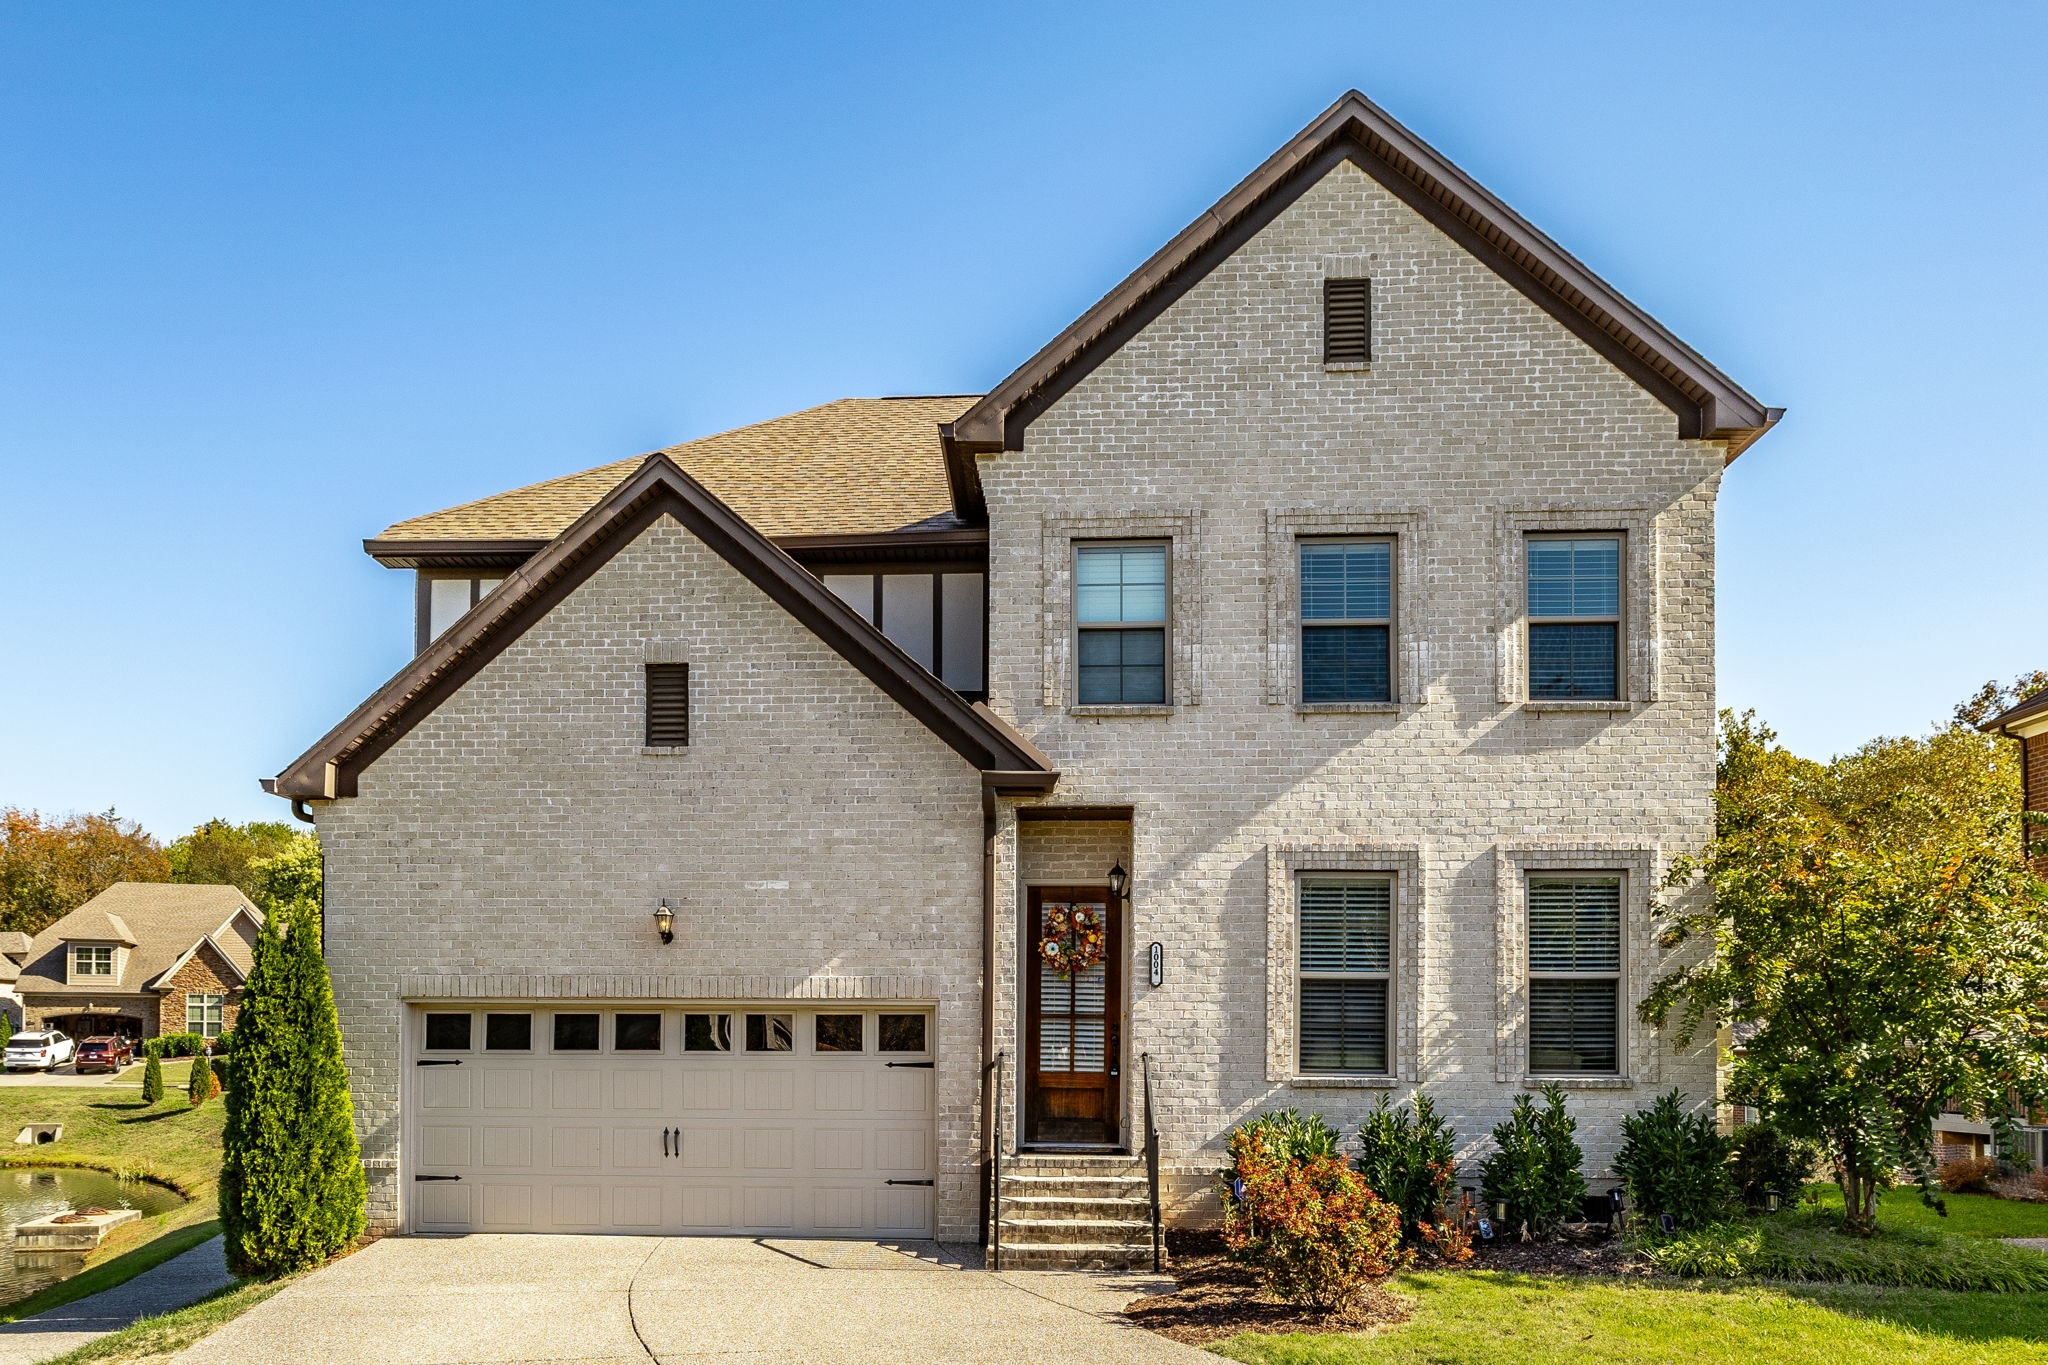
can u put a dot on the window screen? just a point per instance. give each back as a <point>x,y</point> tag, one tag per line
<point>1574,608</point>
<point>1346,938</point>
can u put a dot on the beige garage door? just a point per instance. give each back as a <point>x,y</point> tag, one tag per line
<point>659,1119</point>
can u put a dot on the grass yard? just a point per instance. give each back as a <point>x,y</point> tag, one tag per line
<point>1969,1215</point>
<point>109,1128</point>
<point>1489,1316</point>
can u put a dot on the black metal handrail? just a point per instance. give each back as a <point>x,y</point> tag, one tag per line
<point>1152,1166</point>
<point>995,1165</point>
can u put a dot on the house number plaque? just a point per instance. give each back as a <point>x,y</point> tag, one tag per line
<point>1155,958</point>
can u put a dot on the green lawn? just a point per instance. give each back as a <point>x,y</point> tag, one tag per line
<point>1969,1215</point>
<point>1489,1316</point>
<point>155,1339</point>
<point>111,1129</point>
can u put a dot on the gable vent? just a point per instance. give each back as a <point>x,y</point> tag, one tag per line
<point>668,706</point>
<point>1347,322</point>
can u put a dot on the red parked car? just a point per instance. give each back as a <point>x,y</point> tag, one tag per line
<point>104,1054</point>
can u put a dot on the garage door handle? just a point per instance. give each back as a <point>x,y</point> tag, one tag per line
<point>437,1177</point>
<point>906,1182</point>
<point>926,1066</point>
<point>665,1139</point>
<point>438,1061</point>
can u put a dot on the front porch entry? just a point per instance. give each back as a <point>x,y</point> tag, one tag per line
<point>1073,1019</point>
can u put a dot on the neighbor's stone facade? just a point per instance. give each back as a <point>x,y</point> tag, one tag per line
<point>1480,419</point>
<point>820,842</point>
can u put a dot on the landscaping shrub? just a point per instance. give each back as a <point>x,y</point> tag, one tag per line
<point>1967,1174</point>
<point>1674,1162</point>
<point>1290,1135</point>
<point>1535,1165</point>
<point>1812,1247</point>
<point>1308,1227</point>
<point>224,1045</point>
<point>219,1066</point>
<point>152,1078</point>
<point>291,1180</point>
<point>1408,1157</point>
<point>178,1044</point>
<point>6,1027</point>
<point>1764,1157</point>
<point>199,1087</point>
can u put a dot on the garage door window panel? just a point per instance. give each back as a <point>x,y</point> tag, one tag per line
<point>707,1033</point>
<point>771,1033</point>
<point>636,1033</point>
<point>576,1033</point>
<point>508,1033</point>
<point>839,1033</point>
<point>902,1033</point>
<point>448,1033</point>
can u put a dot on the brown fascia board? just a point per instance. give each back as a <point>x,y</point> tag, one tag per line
<point>2028,708</point>
<point>1709,405</point>
<point>658,488</point>
<point>452,554</point>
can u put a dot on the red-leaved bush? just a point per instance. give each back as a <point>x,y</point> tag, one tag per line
<point>1310,1229</point>
<point>1967,1174</point>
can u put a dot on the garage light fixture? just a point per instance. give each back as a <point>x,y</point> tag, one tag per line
<point>665,921</point>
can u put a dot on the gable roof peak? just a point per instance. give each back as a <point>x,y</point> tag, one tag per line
<point>1708,404</point>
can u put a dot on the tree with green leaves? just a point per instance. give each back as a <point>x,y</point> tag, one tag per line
<point>291,1187</point>
<point>152,1079</point>
<point>287,876</point>
<point>218,853</point>
<point>1876,939</point>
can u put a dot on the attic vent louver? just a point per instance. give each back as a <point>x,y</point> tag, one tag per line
<point>668,706</point>
<point>1347,322</point>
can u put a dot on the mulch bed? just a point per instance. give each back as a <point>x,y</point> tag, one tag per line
<point>1216,1299</point>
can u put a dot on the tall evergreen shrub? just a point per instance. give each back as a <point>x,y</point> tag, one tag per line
<point>199,1084</point>
<point>291,1186</point>
<point>1535,1166</point>
<point>1409,1158</point>
<point>1676,1163</point>
<point>152,1078</point>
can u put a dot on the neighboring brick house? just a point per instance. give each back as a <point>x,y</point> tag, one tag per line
<point>2026,723</point>
<point>1320,630</point>
<point>142,959</point>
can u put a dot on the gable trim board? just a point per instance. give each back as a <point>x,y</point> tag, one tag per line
<point>1709,405</point>
<point>658,488</point>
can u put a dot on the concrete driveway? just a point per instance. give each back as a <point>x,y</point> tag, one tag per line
<point>632,1300</point>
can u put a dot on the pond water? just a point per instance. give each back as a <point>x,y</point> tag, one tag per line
<point>30,1192</point>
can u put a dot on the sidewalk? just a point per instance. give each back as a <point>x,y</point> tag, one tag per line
<point>184,1279</point>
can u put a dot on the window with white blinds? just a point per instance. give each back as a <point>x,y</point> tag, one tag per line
<point>1574,975</point>
<point>1346,931</point>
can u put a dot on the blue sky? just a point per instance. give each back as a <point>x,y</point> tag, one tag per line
<point>273,277</point>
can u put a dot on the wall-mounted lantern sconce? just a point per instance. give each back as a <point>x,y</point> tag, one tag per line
<point>1119,881</point>
<point>1155,961</point>
<point>665,921</point>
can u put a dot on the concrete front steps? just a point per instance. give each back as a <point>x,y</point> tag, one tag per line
<point>1063,1212</point>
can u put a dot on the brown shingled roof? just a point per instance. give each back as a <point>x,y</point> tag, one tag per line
<point>857,466</point>
<point>162,920</point>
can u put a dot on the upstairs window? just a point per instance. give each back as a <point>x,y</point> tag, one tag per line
<point>1574,608</point>
<point>1120,612</point>
<point>1347,322</point>
<point>1574,975</point>
<point>1347,608</point>
<point>92,959</point>
<point>668,706</point>
<point>935,618</point>
<point>1347,953</point>
<point>444,599</point>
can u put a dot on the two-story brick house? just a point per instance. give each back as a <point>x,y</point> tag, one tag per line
<point>1287,688</point>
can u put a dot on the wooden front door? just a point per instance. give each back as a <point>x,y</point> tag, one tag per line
<point>1071,1024</point>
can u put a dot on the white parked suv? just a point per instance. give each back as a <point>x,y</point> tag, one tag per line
<point>39,1051</point>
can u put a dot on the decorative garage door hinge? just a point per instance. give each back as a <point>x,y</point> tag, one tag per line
<point>906,1182</point>
<point>926,1066</point>
<point>438,1061</point>
<point>437,1177</point>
